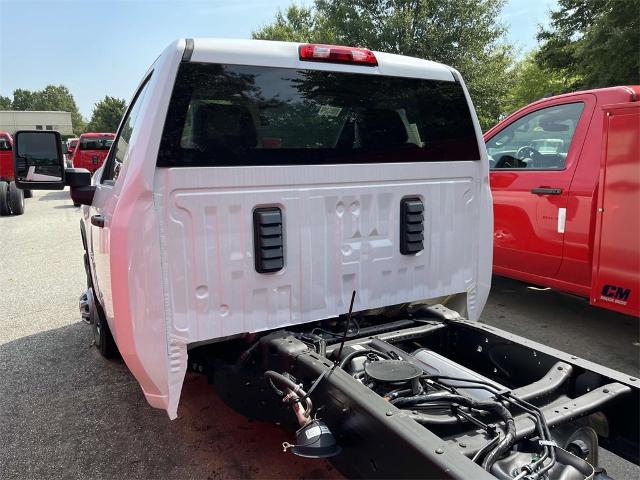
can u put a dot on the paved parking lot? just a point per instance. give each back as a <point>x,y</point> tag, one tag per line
<point>66,412</point>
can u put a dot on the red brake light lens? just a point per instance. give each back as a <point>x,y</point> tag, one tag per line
<point>337,54</point>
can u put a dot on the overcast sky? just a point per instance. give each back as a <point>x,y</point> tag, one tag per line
<point>99,48</point>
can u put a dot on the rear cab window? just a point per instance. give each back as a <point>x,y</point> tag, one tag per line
<point>234,115</point>
<point>96,143</point>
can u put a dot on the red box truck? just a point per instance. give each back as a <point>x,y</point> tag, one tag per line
<point>565,178</point>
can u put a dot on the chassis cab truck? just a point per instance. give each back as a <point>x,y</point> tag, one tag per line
<point>565,178</point>
<point>310,226</point>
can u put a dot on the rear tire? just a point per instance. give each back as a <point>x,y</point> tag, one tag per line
<point>16,199</point>
<point>90,310</point>
<point>4,198</point>
<point>28,193</point>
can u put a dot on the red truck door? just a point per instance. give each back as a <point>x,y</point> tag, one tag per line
<point>533,159</point>
<point>616,263</point>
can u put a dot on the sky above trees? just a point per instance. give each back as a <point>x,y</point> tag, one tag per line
<point>100,48</point>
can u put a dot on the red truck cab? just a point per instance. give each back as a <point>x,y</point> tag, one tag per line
<point>11,197</point>
<point>565,179</point>
<point>91,150</point>
<point>6,156</point>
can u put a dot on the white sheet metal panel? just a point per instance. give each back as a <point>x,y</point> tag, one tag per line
<point>285,55</point>
<point>340,232</point>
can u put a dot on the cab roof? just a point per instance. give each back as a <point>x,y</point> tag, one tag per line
<point>285,55</point>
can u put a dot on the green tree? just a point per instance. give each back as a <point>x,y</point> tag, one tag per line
<point>107,114</point>
<point>462,33</point>
<point>5,103</point>
<point>531,82</point>
<point>50,98</point>
<point>595,42</point>
<point>22,99</point>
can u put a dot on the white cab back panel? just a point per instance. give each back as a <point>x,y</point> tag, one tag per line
<point>341,233</point>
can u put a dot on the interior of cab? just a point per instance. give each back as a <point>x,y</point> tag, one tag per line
<point>538,141</point>
<point>222,126</point>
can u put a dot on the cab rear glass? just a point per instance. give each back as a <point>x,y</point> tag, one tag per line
<point>96,143</point>
<point>234,115</point>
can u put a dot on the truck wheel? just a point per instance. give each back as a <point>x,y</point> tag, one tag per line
<point>28,193</point>
<point>4,198</point>
<point>92,313</point>
<point>16,199</point>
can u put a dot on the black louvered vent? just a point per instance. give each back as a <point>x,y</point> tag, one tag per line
<point>267,239</point>
<point>411,225</point>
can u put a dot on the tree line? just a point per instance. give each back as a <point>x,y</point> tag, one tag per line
<point>105,117</point>
<point>588,44</point>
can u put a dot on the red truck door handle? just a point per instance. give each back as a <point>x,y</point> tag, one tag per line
<point>546,191</point>
<point>97,220</point>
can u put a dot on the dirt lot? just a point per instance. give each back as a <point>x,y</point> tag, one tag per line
<point>67,413</point>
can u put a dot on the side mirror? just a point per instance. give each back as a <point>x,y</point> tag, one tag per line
<point>38,160</point>
<point>80,188</point>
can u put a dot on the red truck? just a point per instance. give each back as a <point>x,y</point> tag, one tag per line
<point>11,198</point>
<point>565,179</point>
<point>91,150</point>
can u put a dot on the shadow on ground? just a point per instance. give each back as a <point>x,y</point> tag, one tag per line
<point>57,195</point>
<point>67,412</point>
<point>565,322</point>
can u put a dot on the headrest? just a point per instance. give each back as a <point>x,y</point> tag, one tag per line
<point>382,128</point>
<point>223,126</point>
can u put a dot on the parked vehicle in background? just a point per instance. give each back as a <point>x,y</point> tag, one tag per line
<point>91,150</point>
<point>308,225</point>
<point>565,178</point>
<point>11,197</point>
<point>72,143</point>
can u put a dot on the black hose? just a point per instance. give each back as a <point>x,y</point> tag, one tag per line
<point>480,453</point>
<point>541,423</point>
<point>427,420</point>
<point>397,393</point>
<point>282,380</point>
<point>361,353</point>
<point>422,398</point>
<point>301,395</point>
<point>488,405</point>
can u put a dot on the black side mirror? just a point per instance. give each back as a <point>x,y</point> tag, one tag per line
<point>79,181</point>
<point>38,160</point>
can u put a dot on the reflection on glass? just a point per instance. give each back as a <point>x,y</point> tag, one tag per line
<point>38,157</point>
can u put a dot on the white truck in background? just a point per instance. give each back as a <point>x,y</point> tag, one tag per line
<point>258,191</point>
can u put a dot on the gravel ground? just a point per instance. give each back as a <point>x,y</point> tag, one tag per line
<point>67,413</point>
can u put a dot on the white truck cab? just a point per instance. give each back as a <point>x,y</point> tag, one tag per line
<point>254,186</point>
